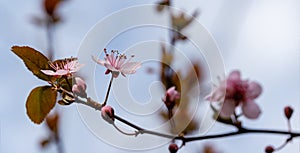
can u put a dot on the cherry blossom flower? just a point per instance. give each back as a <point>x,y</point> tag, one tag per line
<point>237,92</point>
<point>170,97</point>
<point>66,68</point>
<point>118,63</point>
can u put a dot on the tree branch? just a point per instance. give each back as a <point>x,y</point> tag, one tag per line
<point>97,106</point>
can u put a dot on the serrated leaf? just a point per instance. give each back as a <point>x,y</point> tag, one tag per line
<point>34,61</point>
<point>40,102</point>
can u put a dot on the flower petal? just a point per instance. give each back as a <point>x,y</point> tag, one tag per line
<point>101,62</point>
<point>228,108</point>
<point>254,90</point>
<point>61,72</point>
<point>217,95</point>
<point>130,67</point>
<point>110,67</point>
<point>251,110</point>
<point>48,72</point>
<point>76,68</point>
<point>172,93</point>
<point>234,75</point>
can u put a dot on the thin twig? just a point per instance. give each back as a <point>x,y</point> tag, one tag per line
<point>125,133</point>
<point>242,131</point>
<point>141,130</point>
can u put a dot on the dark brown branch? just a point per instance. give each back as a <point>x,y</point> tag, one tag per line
<point>108,90</point>
<point>97,106</point>
<point>242,131</point>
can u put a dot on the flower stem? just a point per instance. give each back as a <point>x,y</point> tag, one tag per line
<point>108,90</point>
<point>172,122</point>
<point>129,134</point>
<point>289,126</point>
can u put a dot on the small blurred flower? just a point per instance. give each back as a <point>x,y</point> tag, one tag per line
<point>79,88</point>
<point>173,148</point>
<point>116,63</point>
<point>170,97</point>
<point>234,92</point>
<point>107,113</point>
<point>66,68</point>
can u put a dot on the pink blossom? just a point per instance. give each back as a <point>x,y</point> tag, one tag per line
<point>66,68</point>
<point>237,92</point>
<point>170,97</point>
<point>116,63</point>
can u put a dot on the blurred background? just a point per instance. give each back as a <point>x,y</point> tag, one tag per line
<point>260,38</point>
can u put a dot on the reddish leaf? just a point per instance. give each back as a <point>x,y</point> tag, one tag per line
<point>34,61</point>
<point>39,103</point>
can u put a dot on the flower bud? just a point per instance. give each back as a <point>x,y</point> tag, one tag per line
<point>170,97</point>
<point>173,148</point>
<point>269,149</point>
<point>288,112</point>
<point>79,88</point>
<point>108,114</point>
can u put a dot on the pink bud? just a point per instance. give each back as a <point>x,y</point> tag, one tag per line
<point>79,88</point>
<point>170,97</point>
<point>269,149</point>
<point>108,114</point>
<point>288,111</point>
<point>173,148</point>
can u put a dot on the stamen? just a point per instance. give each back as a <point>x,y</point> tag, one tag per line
<point>52,65</point>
